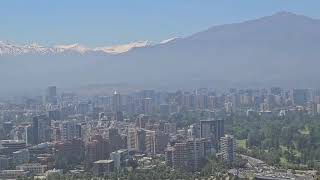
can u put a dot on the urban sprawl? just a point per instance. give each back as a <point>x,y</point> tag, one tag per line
<point>202,133</point>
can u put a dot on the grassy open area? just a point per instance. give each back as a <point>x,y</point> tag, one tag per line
<point>296,152</point>
<point>242,143</point>
<point>283,161</point>
<point>305,131</point>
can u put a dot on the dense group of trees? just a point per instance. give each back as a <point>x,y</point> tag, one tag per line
<point>214,169</point>
<point>291,140</point>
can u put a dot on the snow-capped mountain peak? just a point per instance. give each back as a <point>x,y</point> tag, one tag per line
<point>71,47</point>
<point>9,48</point>
<point>168,40</point>
<point>117,49</point>
<point>15,49</point>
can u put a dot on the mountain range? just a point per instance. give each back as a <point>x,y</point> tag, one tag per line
<point>281,49</point>
<point>9,48</point>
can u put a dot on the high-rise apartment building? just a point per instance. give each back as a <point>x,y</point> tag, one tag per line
<point>41,130</point>
<point>180,156</point>
<point>196,153</point>
<point>150,142</point>
<point>51,95</point>
<point>170,128</point>
<point>147,106</point>
<point>116,102</point>
<point>212,130</point>
<point>141,140</point>
<point>300,96</point>
<point>131,139</point>
<point>187,155</point>
<point>228,148</point>
<point>69,130</point>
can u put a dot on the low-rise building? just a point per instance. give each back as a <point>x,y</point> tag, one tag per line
<point>13,174</point>
<point>54,172</point>
<point>4,162</point>
<point>102,167</point>
<point>119,158</point>
<point>10,146</point>
<point>34,168</point>
<point>21,157</point>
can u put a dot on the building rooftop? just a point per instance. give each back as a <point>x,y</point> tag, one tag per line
<point>122,150</point>
<point>31,165</point>
<point>207,120</point>
<point>103,161</point>
<point>11,141</point>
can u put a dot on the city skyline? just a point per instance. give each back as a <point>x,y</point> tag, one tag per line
<point>170,89</point>
<point>159,133</point>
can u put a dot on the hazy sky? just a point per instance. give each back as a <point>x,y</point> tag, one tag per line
<point>106,22</point>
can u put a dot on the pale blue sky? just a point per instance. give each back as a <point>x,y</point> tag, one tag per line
<point>105,22</point>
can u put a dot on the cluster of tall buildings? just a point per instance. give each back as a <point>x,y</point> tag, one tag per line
<point>201,141</point>
<point>104,132</point>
